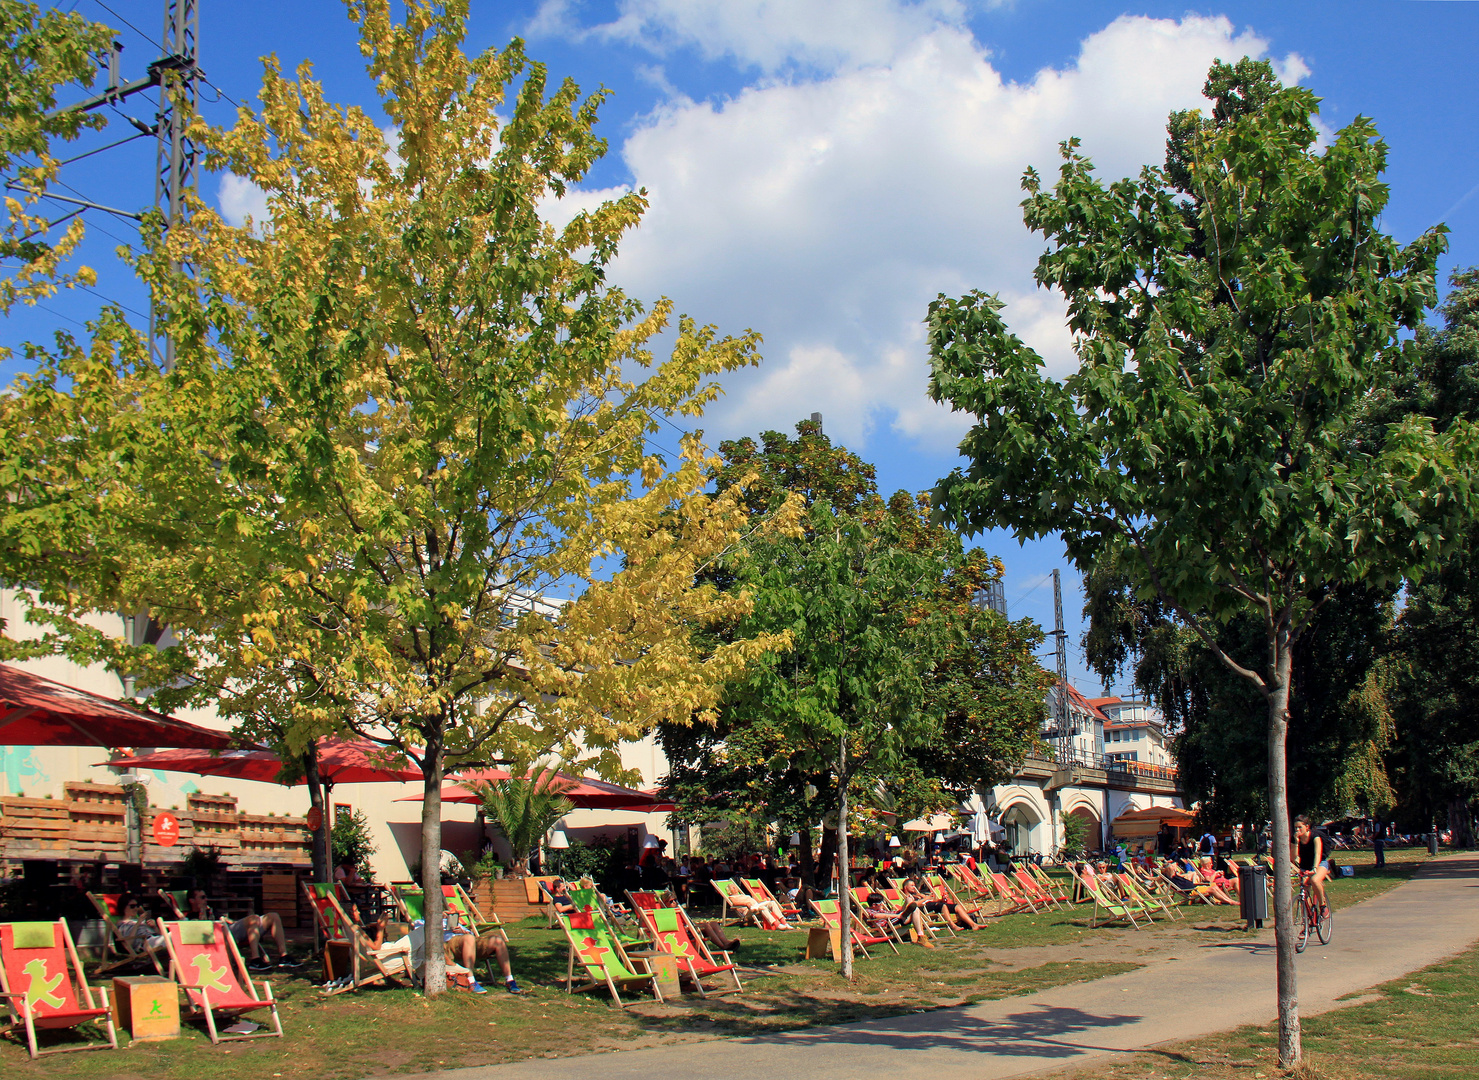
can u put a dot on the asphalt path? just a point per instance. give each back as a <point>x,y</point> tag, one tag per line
<point>1192,991</point>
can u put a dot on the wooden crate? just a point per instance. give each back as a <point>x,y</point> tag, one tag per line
<point>280,894</point>
<point>510,901</point>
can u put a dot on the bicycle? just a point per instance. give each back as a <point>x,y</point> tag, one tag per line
<point>1312,916</point>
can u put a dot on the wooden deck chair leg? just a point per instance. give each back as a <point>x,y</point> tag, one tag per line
<point>272,1002</point>
<point>610,985</point>
<point>570,972</point>
<point>210,1017</point>
<point>30,1030</point>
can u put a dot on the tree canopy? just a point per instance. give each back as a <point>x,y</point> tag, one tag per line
<point>1229,318</point>
<point>400,450</point>
<point>933,695</point>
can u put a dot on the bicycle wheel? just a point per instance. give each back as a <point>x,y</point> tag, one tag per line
<point>1323,927</point>
<point>1302,913</point>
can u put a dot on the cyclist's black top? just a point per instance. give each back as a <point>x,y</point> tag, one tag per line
<point>1307,860</point>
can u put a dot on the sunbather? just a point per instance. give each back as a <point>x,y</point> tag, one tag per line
<point>463,947</point>
<point>1178,879</point>
<point>247,932</point>
<point>767,913</point>
<point>879,915</point>
<point>135,924</point>
<point>559,895</point>
<point>935,905</point>
<point>1213,876</point>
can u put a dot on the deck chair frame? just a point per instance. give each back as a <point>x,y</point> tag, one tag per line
<point>118,942</point>
<point>358,943</point>
<point>89,1012</point>
<point>862,933</point>
<point>635,970</point>
<point>203,1007</point>
<point>695,940</point>
<point>758,890</point>
<point>1117,912</point>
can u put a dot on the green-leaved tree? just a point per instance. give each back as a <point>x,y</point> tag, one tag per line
<point>1228,321</point>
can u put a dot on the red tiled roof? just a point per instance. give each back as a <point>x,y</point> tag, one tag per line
<point>1083,703</point>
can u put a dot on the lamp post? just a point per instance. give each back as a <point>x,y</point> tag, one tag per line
<point>558,841</point>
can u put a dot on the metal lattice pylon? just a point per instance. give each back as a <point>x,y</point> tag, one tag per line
<point>176,160</point>
<point>1064,718</point>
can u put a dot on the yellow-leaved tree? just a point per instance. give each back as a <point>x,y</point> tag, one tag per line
<point>395,483</point>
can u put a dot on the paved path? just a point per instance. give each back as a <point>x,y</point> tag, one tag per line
<point>1193,991</point>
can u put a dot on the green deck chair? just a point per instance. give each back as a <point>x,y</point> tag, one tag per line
<point>606,963</point>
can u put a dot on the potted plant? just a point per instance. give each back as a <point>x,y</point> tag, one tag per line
<point>524,809</point>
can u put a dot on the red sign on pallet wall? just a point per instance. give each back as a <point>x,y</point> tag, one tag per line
<point>166,829</point>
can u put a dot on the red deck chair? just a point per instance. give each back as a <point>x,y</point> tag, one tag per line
<point>651,901</point>
<point>206,963</point>
<point>1013,895</point>
<point>42,981</point>
<point>1032,888</point>
<point>979,890</point>
<point>674,932</point>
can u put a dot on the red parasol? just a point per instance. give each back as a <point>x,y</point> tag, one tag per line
<point>587,793</point>
<point>340,761</point>
<point>39,712</point>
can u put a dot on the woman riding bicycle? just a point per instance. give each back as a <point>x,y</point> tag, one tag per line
<point>1314,866</point>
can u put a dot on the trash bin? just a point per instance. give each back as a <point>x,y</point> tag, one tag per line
<point>1432,843</point>
<point>1253,895</point>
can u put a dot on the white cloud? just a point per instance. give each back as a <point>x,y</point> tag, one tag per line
<point>827,212</point>
<point>774,34</point>
<point>241,199</point>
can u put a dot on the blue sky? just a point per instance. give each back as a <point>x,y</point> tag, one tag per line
<point>819,171</point>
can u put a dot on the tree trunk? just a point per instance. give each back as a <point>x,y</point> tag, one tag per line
<point>824,860</point>
<point>844,892</point>
<point>807,861</point>
<point>1290,1050</point>
<point>431,866</point>
<point>322,871</point>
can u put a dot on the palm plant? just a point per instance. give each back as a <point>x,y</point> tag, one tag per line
<point>525,808</point>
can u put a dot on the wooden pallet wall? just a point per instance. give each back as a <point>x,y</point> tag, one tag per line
<point>89,825</point>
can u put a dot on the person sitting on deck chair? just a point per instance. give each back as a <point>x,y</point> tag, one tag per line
<point>463,947</point>
<point>247,932</point>
<point>935,905</point>
<point>878,914</point>
<point>559,896</point>
<point>135,924</point>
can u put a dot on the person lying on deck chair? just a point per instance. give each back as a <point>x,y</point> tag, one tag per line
<point>1216,877</point>
<point>935,905</point>
<point>762,911</point>
<point>1176,875</point>
<point>247,932</point>
<point>878,915</point>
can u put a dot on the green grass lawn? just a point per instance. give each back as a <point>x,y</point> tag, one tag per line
<point>385,1031</point>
